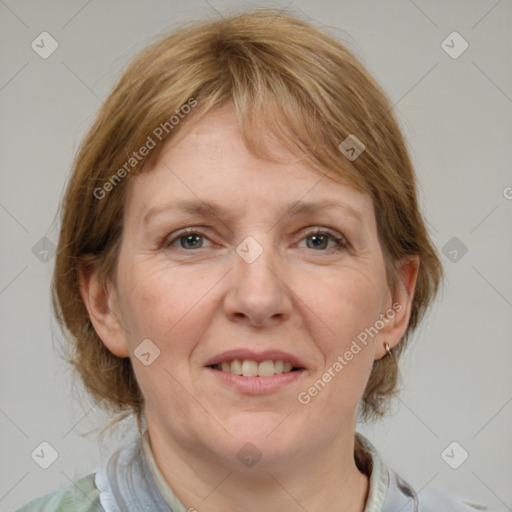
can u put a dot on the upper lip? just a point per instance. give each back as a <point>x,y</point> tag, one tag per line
<point>267,355</point>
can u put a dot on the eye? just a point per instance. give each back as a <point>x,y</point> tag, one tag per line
<point>188,239</point>
<point>320,239</point>
<point>193,239</point>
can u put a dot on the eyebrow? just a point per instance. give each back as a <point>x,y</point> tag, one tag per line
<point>205,209</point>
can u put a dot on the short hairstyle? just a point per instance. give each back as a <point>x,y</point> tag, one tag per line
<point>284,77</point>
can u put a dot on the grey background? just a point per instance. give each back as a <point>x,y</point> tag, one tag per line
<point>456,115</point>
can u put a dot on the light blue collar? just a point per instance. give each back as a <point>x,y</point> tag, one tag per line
<point>130,480</point>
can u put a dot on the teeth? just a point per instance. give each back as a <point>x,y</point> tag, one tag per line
<point>249,368</point>
<point>236,367</point>
<point>266,368</point>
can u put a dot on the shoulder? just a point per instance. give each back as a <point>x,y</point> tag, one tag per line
<point>81,496</point>
<point>389,492</point>
<point>402,496</point>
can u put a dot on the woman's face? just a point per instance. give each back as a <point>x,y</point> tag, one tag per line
<point>251,278</point>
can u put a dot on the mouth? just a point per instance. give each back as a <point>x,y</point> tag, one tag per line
<point>252,373</point>
<point>249,377</point>
<point>252,368</point>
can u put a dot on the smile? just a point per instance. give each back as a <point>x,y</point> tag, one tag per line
<point>256,385</point>
<point>250,368</point>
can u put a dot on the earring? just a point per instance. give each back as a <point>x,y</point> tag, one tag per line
<point>388,350</point>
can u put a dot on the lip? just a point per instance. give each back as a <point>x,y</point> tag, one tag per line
<point>267,355</point>
<point>256,385</point>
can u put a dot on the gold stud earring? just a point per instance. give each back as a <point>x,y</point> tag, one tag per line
<point>388,350</point>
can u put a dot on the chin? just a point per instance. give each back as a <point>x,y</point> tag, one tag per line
<point>267,431</point>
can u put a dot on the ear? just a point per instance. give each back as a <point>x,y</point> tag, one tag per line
<point>102,306</point>
<point>398,312</point>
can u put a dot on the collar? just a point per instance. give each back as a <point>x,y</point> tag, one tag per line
<point>130,480</point>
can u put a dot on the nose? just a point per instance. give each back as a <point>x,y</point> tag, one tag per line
<point>258,292</point>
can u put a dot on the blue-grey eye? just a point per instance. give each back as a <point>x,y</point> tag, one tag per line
<point>318,241</point>
<point>191,239</point>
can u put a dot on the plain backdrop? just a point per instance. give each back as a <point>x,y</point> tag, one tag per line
<point>456,113</point>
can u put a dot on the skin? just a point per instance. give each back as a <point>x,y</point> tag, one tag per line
<point>197,300</point>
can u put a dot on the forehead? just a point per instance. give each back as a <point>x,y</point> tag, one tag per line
<point>210,163</point>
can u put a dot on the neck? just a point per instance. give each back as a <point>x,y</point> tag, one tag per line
<point>325,480</point>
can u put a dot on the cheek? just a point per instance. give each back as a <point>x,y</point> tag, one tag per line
<point>348,304</point>
<point>168,306</point>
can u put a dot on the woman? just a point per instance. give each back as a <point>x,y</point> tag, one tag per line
<point>241,262</point>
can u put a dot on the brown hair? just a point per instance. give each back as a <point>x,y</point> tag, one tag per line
<point>284,77</point>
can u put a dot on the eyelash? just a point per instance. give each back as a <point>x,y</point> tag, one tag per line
<point>341,243</point>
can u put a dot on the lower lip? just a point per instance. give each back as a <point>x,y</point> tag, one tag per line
<point>257,385</point>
